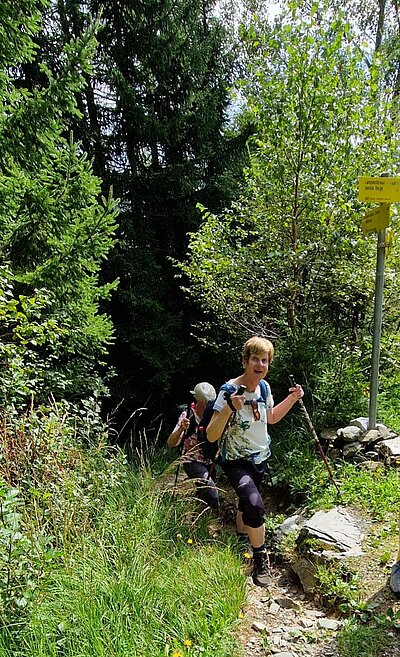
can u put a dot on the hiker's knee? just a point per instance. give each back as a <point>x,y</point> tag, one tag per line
<point>253,514</point>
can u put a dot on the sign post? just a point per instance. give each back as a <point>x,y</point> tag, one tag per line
<point>377,331</point>
<point>383,190</point>
<point>376,219</point>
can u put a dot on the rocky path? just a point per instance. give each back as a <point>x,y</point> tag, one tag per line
<point>284,623</point>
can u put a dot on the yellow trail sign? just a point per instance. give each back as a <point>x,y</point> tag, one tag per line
<point>376,219</point>
<point>379,190</point>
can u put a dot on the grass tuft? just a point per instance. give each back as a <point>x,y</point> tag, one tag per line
<point>143,584</point>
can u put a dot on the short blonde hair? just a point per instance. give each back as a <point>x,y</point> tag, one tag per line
<point>257,345</point>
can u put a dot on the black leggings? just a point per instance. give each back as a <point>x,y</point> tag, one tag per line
<point>205,484</point>
<point>245,478</point>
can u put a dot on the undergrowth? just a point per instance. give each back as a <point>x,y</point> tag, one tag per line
<point>298,464</point>
<point>144,583</point>
<point>356,638</point>
<point>98,557</point>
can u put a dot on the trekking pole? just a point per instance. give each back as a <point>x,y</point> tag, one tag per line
<point>317,443</point>
<point>178,467</point>
<point>181,447</point>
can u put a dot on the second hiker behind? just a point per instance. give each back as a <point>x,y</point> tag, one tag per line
<point>185,434</point>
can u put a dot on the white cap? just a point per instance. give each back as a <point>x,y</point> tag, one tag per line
<point>204,391</point>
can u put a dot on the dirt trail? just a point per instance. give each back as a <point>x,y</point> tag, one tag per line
<point>285,622</point>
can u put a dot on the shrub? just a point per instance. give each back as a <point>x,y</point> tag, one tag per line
<point>24,555</point>
<point>61,462</point>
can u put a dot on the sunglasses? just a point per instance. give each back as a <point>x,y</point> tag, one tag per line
<point>254,408</point>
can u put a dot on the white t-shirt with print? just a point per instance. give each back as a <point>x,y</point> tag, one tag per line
<point>248,438</point>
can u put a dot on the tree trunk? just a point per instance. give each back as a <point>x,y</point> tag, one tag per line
<point>380,26</point>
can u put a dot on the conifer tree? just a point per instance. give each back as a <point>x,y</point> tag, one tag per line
<point>154,113</point>
<point>55,230</point>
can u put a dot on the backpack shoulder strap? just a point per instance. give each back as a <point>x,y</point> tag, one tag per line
<point>193,424</point>
<point>220,455</point>
<point>207,414</point>
<point>264,390</point>
<point>229,388</point>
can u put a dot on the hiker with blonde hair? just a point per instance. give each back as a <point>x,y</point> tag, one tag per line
<point>246,443</point>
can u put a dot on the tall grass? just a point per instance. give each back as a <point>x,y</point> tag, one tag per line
<point>99,558</point>
<point>145,583</point>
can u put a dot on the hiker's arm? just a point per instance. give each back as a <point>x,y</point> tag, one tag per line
<point>217,423</point>
<point>279,411</point>
<point>176,436</point>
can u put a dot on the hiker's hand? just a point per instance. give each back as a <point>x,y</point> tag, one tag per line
<point>297,392</point>
<point>237,401</point>
<point>185,423</point>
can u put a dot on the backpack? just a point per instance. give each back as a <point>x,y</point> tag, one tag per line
<point>208,448</point>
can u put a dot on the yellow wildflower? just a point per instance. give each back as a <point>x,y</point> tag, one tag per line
<point>190,541</point>
<point>247,555</point>
<point>188,642</point>
<point>177,653</point>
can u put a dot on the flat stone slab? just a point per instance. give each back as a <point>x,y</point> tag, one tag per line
<point>328,623</point>
<point>258,626</point>
<point>336,529</point>
<point>360,422</point>
<point>390,447</point>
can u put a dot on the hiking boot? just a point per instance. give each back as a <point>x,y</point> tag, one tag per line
<point>261,572</point>
<point>395,579</point>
